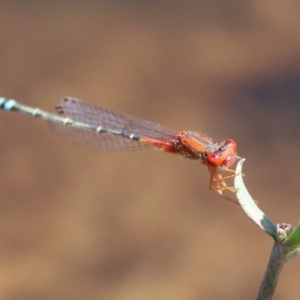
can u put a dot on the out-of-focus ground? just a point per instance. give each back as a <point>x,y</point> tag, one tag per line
<point>77,223</point>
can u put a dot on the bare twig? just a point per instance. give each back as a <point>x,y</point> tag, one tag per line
<point>249,205</point>
<point>286,244</point>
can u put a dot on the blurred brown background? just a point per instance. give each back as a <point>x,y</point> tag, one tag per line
<point>77,223</point>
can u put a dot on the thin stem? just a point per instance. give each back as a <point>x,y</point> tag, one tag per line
<point>275,265</point>
<point>250,207</point>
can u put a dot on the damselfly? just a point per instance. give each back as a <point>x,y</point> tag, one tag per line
<point>95,126</point>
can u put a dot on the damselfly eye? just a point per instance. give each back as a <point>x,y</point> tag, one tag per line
<point>229,160</point>
<point>232,144</point>
<point>215,159</point>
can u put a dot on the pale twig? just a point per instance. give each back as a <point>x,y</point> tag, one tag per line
<point>286,244</point>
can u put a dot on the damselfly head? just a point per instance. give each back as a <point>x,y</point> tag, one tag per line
<point>224,155</point>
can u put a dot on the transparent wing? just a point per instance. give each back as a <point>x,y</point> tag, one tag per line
<point>119,126</point>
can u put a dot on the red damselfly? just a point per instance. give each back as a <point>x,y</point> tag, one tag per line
<point>98,127</point>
